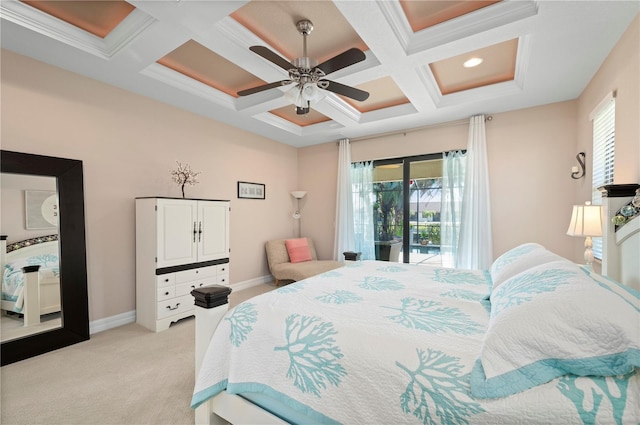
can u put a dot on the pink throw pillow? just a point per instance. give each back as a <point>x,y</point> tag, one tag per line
<point>298,250</point>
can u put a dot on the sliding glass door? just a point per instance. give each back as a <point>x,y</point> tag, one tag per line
<point>406,210</point>
<point>425,183</point>
<point>388,210</point>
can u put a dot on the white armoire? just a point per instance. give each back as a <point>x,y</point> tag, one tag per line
<point>181,245</point>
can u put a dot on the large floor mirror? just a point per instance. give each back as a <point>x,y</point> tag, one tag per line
<point>43,216</point>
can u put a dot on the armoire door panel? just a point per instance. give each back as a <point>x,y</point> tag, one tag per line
<point>214,222</point>
<point>177,240</point>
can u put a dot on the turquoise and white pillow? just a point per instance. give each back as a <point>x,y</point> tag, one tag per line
<point>553,320</point>
<point>519,259</point>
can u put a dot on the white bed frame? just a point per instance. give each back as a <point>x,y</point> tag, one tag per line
<point>622,250</point>
<point>40,297</point>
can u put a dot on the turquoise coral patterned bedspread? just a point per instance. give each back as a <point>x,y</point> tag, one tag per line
<point>13,277</point>
<point>384,343</point>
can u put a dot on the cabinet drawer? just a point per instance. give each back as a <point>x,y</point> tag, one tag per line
<point>201,273</point>
<point>166,280</point>
<point>186,288</point>
<point>175,306</point>
<point>166,293</point>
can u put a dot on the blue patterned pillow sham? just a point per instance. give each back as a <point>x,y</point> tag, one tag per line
<point>520,259</point>
<point>554,320</point>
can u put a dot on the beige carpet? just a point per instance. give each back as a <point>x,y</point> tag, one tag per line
<point>126,375</point>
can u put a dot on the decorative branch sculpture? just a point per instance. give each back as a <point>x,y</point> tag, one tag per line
<point>184,175</point>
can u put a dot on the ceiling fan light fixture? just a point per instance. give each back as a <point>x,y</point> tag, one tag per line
<point>293,95</point>
<point>302,95</point>
<point>310,92</point>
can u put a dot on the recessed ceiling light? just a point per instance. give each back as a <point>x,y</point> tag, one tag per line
<point>470,63</point>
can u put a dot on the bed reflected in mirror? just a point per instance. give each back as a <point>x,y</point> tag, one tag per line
<point>42,227</point>
<point>29,221</point>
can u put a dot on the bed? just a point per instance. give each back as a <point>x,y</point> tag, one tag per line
<point>41,251</point>
<point>535,339</point>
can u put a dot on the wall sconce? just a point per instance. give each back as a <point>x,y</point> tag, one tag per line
<point>578,173</point>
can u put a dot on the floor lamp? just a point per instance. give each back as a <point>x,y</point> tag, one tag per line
<point>586,220</point>
<point>298,194</point>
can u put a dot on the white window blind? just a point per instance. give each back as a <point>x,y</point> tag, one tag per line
<point>604,137</point>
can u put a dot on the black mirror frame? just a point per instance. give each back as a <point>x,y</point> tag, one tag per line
<point>73,261</point>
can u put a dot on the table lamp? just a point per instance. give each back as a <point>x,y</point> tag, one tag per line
<point>586,220</point>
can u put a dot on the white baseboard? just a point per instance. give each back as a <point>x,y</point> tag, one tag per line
<point>107,323</point>
<point>122,319</point>
<point>251,283</point>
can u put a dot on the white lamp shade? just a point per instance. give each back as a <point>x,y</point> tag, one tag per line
<point>586,220</point>
<point>301,95</point>
<point>310,92</point>
<point>298,194</point>
<point>294,96</point>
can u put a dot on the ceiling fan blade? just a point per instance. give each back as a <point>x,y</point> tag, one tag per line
<point>272,56</point>
<point>347,91</point>
<point>343,60</point>
<point>264,87</point>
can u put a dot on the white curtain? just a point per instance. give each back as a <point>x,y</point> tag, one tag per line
<point>344,239</point>
<point>362,188</point>
<point>453,174</point>
<point>475,242</point>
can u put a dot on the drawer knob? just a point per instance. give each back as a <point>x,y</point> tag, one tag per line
<point>166,280</point>
<point>174,308</point>
<point>166,293</point>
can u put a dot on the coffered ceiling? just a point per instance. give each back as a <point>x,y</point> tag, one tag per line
<point>195,55</point>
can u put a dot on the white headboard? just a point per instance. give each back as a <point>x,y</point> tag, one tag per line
<point>27,248</point>
<point>621,246</point>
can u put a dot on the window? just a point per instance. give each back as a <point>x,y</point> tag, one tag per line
<point>604,137</point>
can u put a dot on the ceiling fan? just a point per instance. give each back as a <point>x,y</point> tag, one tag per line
<point>308,75</point>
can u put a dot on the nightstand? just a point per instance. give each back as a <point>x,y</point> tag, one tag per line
<point>352,256</point>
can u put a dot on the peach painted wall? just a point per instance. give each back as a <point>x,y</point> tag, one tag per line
<point>530,154</point>
<point>127,144</point>
<point>317,171</point>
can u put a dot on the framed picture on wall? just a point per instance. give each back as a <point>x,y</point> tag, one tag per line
<point>251,190</point>
<point>41,209</point>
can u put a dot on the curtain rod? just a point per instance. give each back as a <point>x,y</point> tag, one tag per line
<point>411,130</point>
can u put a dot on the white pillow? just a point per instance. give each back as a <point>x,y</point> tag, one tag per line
<point>553,320</point>
<point>519,259</point>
